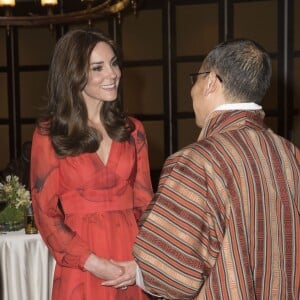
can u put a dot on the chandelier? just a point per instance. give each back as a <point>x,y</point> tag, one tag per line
<point>54,12</point>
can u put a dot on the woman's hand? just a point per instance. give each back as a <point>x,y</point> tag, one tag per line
<point>127,278</point>
<point>103,268</point>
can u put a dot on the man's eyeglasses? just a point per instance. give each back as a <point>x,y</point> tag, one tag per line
<point>194,76</point>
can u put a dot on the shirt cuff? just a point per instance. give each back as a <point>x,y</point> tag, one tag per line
<point>139,278</point>
<point>140,281</point>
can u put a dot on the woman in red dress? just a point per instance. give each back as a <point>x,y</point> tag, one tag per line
<point>90,178</point>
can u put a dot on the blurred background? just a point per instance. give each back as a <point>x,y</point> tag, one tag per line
<point>161,43</point>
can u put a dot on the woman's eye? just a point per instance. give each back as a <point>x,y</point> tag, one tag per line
<point>115,63</point>
<point>97,68</point>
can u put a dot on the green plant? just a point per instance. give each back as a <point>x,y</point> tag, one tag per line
<point>17,197</point>
<point>14,192</point>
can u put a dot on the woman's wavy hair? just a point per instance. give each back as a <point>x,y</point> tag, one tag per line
<point>65,118</point>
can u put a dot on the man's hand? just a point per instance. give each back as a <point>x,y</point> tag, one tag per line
<point>127,278</point>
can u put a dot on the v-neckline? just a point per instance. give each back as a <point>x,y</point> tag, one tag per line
<point>108,157</point>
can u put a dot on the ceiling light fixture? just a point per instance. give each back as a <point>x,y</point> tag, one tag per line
<point>92,9</point>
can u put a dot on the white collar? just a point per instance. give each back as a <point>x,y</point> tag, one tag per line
<point>239,106</point>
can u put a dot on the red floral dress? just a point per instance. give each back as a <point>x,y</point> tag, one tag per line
<point>101,205</point>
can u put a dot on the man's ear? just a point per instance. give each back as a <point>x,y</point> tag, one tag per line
<point>212,83</point>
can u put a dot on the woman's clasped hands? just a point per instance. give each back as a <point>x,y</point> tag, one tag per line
<point>113,273</point>
<point>126,278</point>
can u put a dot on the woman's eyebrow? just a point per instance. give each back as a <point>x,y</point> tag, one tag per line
<point>102,62</point>
<point>96,63</point>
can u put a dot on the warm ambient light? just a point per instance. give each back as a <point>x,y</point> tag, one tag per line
<point>93,10</point>
<point>7,3</point>
<point>48,2</point>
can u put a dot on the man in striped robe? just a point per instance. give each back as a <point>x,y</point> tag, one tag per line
<point>224,223</point>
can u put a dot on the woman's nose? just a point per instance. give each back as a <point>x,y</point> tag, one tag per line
<point>112,72</point>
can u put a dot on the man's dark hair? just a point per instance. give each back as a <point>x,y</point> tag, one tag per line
<point>245,68</point>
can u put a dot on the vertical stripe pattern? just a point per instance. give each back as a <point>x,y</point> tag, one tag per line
<point>224,223</point>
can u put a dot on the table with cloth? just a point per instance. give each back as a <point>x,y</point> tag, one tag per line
<point>26,267</point>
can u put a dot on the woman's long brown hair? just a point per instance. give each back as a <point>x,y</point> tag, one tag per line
<point>65,119</point>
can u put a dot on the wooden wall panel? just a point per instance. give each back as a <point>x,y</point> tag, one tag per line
<point>101,25</point>
<point>196,28</point>
<point>2,46</point>
<point>4,149</point>
<point>296,131</point>
<point>272,122</point>
<point>296,86</point>
<point>188,132</point>
<point>142,35</point>
<point>32,93</point>
<point>143,90</point>
<point>35,45</point>
<point>271,99</point>
<point>27,132</point>
<point>3,96</point>
<point>257,20</point>
<point>297,25</point>
<point>155,135</point>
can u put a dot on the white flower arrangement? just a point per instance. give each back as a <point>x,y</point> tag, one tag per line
<point>14,193</point>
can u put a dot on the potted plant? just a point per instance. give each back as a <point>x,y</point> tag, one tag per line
<point>17,199</point>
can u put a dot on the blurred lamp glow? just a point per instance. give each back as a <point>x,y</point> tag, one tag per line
<point>48,2</point>
<point>7,2</point>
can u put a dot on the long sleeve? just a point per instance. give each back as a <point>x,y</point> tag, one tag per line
<point>143,192</point>
<point>174,256</point>
<point>65,245</point>
<point>224,223</point>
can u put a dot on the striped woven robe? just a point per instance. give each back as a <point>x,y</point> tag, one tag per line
<point>224,223</point>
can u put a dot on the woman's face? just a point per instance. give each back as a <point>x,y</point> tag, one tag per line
<point>103,76</point>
